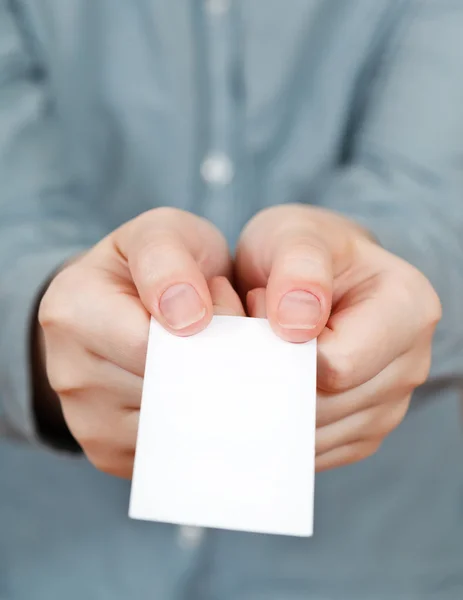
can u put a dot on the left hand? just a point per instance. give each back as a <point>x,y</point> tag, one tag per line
<point>314,274</point>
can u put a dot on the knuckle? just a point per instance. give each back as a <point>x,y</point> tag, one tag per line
<point>137,343</point>
<point>372,447</point>
<point>110,461</point>
<point>121,470</point>
<point>164,243</point>
<point>50,312</point>
<point>136,348</point>
<point>306,252</point>
<point>98,459</point>
<point>164,221</point>
<point>419,373</point>
<point>57,307</point>
<point>364,450</point>
<point>393,417</point>
<point>68,374</point>
<point>45,311</point>
<point>90,428</point>
<point>80,429</point>
<point>105,445</point>
<point>338,373</point>
<point>159,214</point>
<point>65,382</point>
<point>165,214</point>
<point>91,436</point>
<point>431,304</point>
<point>404,292</point>
<point>416,284</point>
<point>305,247</point>
<point>434,308</point>
<point>159,256</point>
<point>361,451</point>
<point>218,282</point>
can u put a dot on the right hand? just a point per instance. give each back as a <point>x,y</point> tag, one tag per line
<point>95,316</point>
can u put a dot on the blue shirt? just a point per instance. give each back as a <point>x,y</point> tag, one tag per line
<point>222,107</point>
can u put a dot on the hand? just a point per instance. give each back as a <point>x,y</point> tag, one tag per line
<point>314,273</point>
<point>95,318</point>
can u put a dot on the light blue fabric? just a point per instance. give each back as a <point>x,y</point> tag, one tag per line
<point>109,108</point>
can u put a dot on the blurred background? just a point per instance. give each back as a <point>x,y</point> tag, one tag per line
<point>220,108</point>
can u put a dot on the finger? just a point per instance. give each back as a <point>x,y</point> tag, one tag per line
<point>299,289</point>
<point>272,227</point>
<point>256,303</point>
<point>297,263</point>
<point>75,373</point>
<point>377,421</point>
<point>399,378</point>
<point>122,468</point>
<point>224,298</point>
<point>108,438</point>
<point>366,332</point>
<point>108,428</point>
<point>171,255</point>
<point>105,317</point>
<point>346,455</point>
<point>112,460</point>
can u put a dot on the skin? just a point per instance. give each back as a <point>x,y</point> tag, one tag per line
<point>311,272</point>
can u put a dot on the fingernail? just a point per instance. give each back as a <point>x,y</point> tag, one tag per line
<point>299,310</point>
<point>181,306</point>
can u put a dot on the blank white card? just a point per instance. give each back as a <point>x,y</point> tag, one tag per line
<point>227,428</point>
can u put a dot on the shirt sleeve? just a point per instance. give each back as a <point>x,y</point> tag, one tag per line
<point>45,217</point>
<point>403,174</point>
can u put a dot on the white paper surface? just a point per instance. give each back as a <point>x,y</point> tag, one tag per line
<point>227,428</point>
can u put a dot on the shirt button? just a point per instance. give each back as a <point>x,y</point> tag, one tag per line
<point>217,169</point>
<point>189,538</point>
<point>217,7</point>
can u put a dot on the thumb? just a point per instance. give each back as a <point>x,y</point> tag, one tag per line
<point>295,254</point>
<point>170,255</point>
<point>299,288</point>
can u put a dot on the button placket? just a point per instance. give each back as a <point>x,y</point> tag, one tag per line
<point>189,538</point>
<point>217,169</point>
<point>217,7</point>
<point>218,164</point>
